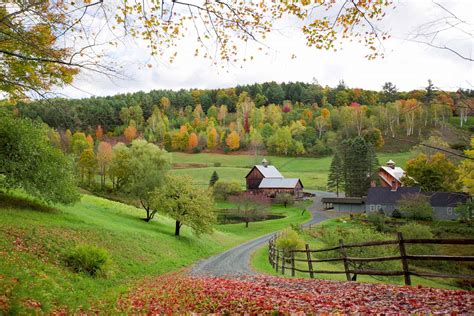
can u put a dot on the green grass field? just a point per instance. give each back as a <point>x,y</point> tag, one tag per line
<point>34,239</point>
<point>312,171</point>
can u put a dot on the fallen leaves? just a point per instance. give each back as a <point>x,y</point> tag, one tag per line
<point>177,293</point>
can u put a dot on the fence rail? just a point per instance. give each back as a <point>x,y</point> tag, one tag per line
<point>282,261</point>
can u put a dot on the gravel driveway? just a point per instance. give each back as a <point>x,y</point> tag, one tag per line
<point>236,261</point>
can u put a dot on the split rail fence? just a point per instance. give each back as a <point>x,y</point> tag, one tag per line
<point>282,262</point>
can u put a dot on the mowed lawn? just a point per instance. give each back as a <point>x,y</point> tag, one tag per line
<point>35,238</point>
<point>313,172</point>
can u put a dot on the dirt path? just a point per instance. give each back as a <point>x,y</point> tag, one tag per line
<point>236,261</point>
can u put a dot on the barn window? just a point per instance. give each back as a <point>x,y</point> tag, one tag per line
<point>372,208</point>
<point>450,211</point>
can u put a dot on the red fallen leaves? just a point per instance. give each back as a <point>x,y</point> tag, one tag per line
<point>177,293</point>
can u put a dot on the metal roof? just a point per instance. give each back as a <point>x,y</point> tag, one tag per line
<point>384,195</point>
<point>279,183</point>
<point>269,171</point>
<point>396,172</point>
<point>341,200</point>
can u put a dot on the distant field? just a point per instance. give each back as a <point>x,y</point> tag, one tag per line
<point>312,171</point>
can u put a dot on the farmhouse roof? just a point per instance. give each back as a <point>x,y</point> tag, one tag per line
<point>385,195</point>
<point>447,199</point>
<point>343,200</point>
<point>395,172</point>
<point>279,183</point>
<point>269,171</point>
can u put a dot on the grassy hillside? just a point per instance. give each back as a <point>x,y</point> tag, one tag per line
<point>312,171</point>
<point>34,239</point>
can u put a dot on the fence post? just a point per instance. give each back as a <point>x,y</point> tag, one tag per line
<point>403,254</point>
<point>344,258</point>
<point>283,263</point>
<point>310,264</point>
<point>277,259</point>
<point>292,263</point>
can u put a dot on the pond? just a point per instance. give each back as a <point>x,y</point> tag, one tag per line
<point>233,216</point>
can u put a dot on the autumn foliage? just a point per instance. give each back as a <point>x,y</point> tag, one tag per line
<point>130,133</point>
<point>177,294</point>
<point>193,141</point>
<point>233,141</point>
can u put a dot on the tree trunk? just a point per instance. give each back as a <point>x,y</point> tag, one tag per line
<point>246,224</point>
<point>177,228</point>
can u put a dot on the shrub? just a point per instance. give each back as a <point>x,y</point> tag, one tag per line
<point>284,199</point>
<point>378,221</point>
<point>222,190</point>
<point>289,240</point>
<point>88,259</point>
<point>396,214</point>
<point>417,231</point>
<point>217,164</point>
<point>416,206</point>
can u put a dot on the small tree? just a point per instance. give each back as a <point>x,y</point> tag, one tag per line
<point>214,179</point>
<point>285,199</point>
<point>223,190</point>
<point>233,141</point>
<point>130,133</point>
<point>416,207</point>
<point>336,174</point>
<point>465,212</point>
<point>289,240</point>
<point>251,206</point>
<point>104,157</point>
<point>185,203</point>
<point>87,165</point>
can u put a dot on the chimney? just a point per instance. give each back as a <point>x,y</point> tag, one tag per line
<point>264,163</point>
<point>391,164</point>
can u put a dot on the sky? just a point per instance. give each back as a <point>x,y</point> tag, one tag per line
<point>407,64</point>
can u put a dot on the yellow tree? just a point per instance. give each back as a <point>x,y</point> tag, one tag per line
<point>99,132</point>
<point>233,141</point>
<point>466,170</point>
<point>211,137</point>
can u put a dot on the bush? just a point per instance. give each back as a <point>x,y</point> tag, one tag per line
<point>88,259</point>
<point>378,221</point>
<point>417,231</point>
<point>416,207</point>
<point>222,190</point>
<point>217,164</point>
<point>396,214</point>
<point>289,240</point>
<point>284,199</point>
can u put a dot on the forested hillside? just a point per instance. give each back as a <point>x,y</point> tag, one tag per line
<point>285,119</point>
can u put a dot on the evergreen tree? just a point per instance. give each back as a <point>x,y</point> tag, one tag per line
<point>360,164</point>
<point>214,179</point>
<point>336,174</point>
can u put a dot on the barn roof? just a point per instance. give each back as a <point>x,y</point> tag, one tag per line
<point>384,195</point>
<point>396,172</point>
<point>279,183</point>
<point>269,171</point>
<point>450,199</point>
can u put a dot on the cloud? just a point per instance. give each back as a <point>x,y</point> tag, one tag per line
<point>407,64</point>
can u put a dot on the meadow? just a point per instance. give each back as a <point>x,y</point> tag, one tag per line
<point>313,172</point>
<point>34,239</point>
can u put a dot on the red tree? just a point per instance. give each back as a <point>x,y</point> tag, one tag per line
<point>251,206</point>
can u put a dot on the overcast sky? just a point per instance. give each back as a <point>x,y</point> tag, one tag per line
<point>407,64</point>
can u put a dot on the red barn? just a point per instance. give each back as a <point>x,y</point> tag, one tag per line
<point>391,176</point>
<point>267,179</point>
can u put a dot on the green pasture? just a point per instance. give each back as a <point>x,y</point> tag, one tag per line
<point>313,172</point>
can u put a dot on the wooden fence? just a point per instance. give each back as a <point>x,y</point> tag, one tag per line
<point>282,262</point>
